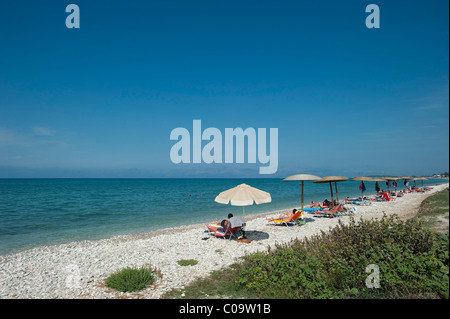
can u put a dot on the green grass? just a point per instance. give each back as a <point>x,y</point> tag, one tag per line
<point>187,262</point>
<point>218,284</point>
<point>435,211</point>
<point>131,279</point>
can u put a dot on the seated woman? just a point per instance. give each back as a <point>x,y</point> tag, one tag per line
<point>219,226</point>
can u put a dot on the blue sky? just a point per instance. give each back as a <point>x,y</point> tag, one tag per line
<point>101,100</point>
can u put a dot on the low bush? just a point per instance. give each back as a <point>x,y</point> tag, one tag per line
<point>187,262</point>
<point>411,259</point>
<point>131,279</point>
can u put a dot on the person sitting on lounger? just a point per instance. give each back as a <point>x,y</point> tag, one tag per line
<point>294,211</point>
<point>327,203</point>
<point>287,215</point>
<point>224,223</point>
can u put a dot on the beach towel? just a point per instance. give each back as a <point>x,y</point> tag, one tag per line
<point>236,222</point>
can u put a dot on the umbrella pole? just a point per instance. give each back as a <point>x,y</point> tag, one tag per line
<point>302,195</point>
<point>332,200</point>
<point>337,195</point>
<point>362,192</point>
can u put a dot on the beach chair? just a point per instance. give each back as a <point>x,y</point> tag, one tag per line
<point>335,211</point>
<point>383,198</point>
<point>222,233</point>
<point>359,202</point>
<point>234,228</point>
<point>346,211</point>
<point>285,220</point>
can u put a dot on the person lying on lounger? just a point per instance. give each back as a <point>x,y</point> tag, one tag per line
<point>287,215</point>
<point>384,195</point>
<point>318,205</point>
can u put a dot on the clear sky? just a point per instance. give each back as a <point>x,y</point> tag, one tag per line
<point>102,100</point>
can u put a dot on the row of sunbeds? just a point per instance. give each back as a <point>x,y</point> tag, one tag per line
<point>235,225</point>
<point>387,196</point>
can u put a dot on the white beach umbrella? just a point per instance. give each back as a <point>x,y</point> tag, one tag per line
<point>243,195</point>
<point>303,178</point>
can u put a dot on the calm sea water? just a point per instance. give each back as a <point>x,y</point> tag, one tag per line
<point>36,212</point>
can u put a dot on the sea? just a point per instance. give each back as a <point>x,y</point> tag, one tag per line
<point>39,212</point>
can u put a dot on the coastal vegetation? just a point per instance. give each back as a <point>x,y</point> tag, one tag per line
<point>131,279</point>
<point>412,260</point>
<point>187,262</point>
<point>434,210</point>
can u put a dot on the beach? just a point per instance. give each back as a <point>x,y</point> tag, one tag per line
<point>79,269</point>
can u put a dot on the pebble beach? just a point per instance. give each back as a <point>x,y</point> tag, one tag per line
<point>79,269</point>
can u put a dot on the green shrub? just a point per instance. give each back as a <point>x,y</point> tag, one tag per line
<point>411,259</point>
<point>131,279</point>
<point>187,262</point>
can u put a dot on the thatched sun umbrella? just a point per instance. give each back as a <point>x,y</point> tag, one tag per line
<point>303,178</point>
<point>378,179</point>
<point>390,179</point>
<point>331,179</point>
<point>420,179</point>
<point>406,178</point>
<point>362,186</point>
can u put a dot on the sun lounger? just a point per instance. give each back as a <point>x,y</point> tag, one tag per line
<point>347,211</point>
<point>357,201</point>
<point>221,232</point>
<point>330,212</point>
<point>286,219</point>
<point>336,211</point>
<point>234,228</point>
<point>385,197</point>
